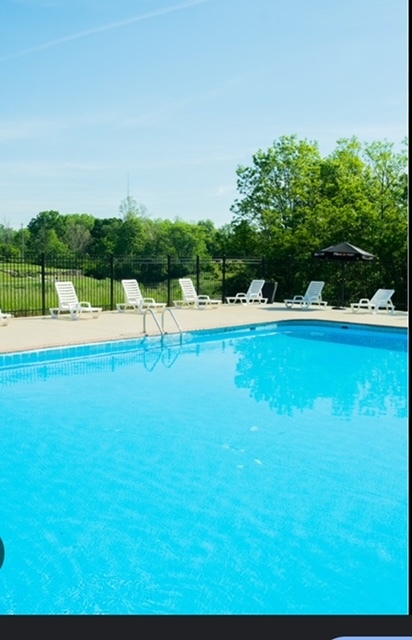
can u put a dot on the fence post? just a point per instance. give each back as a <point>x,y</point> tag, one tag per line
<point>43,283</point>
<point>169,264</point>
<point>223,278</point>
<point>198,274</point>
<point>111,282</point>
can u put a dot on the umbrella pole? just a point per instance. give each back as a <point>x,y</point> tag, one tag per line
<point>342,306</point>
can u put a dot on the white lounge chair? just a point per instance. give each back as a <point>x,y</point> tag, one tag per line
<point>135,300</point>
<point>252,296</point>
<point>4,317</point>
<point>381,300</point>
<point>68,301</point>
<point>191,299</point>
<point>313,295</point>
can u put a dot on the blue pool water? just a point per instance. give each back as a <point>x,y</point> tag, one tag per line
<point>254,471</point>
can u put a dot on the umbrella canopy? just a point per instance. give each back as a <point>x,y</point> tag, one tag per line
<point>344,252</point>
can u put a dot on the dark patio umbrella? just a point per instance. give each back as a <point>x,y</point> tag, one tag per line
<point>344,252</point>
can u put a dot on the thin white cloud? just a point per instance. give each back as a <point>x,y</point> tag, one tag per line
<point>156,116</point>
<point>25,129</point>
<point>39,167</point>
<point>225,190</point>
<point>106,27</point>
<point>43,169</point>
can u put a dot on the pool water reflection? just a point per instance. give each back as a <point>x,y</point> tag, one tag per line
<point>257,471</point>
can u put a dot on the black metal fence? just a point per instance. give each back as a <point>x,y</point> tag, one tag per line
<point>27,284</point>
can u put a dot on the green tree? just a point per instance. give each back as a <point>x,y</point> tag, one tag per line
<point>8,247</point>
<point>77,233</point>
<point>130,237</point>
<point>104,236</point>
<point>46,233</point>
<point>293,202</point>
<point>387,187</point>
<point>280,191</point>
<point>243,240</point>
<point>21,240</point>
<point>344,210</point>
<point>130,208</point>
<point>386,184</point>
<point>180,239</point>
<point>131,234</point>
<point>209,233</point>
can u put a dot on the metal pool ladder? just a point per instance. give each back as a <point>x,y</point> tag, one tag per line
<point>160,326</point>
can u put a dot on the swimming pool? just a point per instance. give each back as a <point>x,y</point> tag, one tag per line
<point>260,470</point>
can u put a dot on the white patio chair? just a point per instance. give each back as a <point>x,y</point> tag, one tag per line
<point>69,302</point>
<point>313,296</point>
<point>252,296</point>
<point>4,317</point>
<point>135,300</point>
<point>381,300</point>
<point>191,300</point>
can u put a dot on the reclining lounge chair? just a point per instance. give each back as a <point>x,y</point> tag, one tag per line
<point>381,300</point>
<point>252,296</point>
<point>4,317</point>
<point>69,302</point>
<point>191,300</point>
<point>313,296</point>
<point>135,300</point>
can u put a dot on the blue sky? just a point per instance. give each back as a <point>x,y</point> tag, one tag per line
<point>163,100</point>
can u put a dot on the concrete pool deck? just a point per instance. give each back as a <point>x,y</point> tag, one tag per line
<point>40,332</point>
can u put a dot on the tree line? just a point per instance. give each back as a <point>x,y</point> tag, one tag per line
<point>291,201</point>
